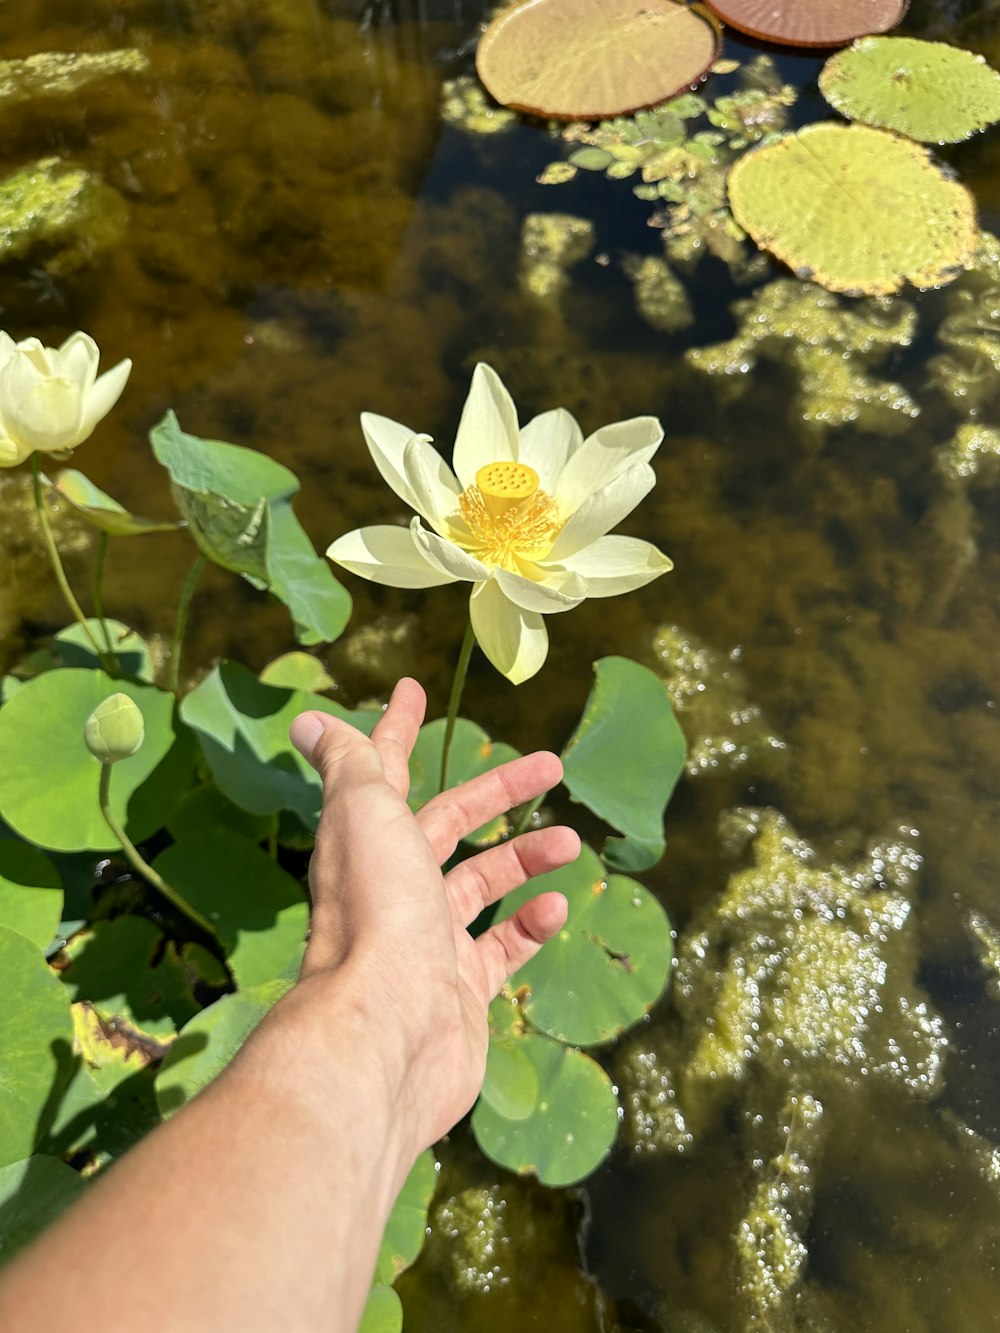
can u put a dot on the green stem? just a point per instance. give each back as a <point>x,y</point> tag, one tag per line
<point>184,606</point>
<point>272,839</point>
<point>57,565</point>
<point>98,596</point>
<point>141,866</point>
<point>527,814</point>
<point>457,685</point>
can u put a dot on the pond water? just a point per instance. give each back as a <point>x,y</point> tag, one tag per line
<point>296,235</point>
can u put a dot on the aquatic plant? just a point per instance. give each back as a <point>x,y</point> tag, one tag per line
<point>809,22</point>
<point>122,1018</point>
<point>925,90</point>
<point>585,59</point>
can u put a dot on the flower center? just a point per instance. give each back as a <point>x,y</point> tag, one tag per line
<point>508,517</point>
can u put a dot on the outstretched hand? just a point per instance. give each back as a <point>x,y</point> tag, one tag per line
<point>384,914</point>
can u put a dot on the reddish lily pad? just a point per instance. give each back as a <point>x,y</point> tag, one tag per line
<point>810,22</point>
<point>591,59</point>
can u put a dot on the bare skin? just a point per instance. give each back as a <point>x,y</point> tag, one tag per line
<point>261,1204</point>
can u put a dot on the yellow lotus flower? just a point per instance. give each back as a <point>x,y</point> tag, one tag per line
<point>524,520</point>
<point>51,398</point>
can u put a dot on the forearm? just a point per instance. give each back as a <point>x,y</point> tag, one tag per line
<point>260,1205</point>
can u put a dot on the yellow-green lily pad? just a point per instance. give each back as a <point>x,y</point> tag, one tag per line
<point>925,90</point>
<point>854,209</point>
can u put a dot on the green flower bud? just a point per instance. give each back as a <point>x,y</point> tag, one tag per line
<point>115,729</point>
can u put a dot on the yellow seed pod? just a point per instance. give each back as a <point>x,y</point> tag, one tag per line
<point>115,729</point>
<point>506,484</point>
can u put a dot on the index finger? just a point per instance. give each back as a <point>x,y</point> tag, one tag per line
<point>447,818</point>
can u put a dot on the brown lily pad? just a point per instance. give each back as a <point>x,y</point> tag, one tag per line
<point>592,59</point>
<point>810,22</point>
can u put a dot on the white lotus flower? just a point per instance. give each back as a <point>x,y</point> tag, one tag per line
<point>51,398</point>
<point>524,521</point>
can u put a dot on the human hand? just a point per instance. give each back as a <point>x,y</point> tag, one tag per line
<point>386,921</point>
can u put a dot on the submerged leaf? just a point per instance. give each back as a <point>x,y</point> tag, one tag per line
<point>925,90</point>
<point>809,22</point>
<point>586,59</point>
<point>854,209</point>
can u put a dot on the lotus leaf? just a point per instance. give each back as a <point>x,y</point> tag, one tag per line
<point>472,753</point>
<point>239,504</point>
<point>572,1126</point>
<point>586,59</point>
<point>129,972</point>
<point>925,90</point>
<point>297,671</point>
<point>73,648</point>
<point>383,1312</point>
<point>42,751</point>
<point>210,1040</point>
<point>36,1038</point>
<point>99,510</point>
<point>31,895</point>
<point>607,966</point>
<point>243,729</point>
<point>809,22</point>
<point>257,909</point>
<point>625,757</point>
<point>33,1192</point>
<point>204,808</point>
<point>854,209</point>
<point>407,1224</point>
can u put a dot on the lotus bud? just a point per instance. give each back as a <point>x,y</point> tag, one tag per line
<point>115,729</point>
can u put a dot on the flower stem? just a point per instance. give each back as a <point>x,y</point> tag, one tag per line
<point>457,685</point>
<point>57,566</point>
<point>97,597</point>
<point>527,815</point>
<point>140,865</point>
<point>184,606</point>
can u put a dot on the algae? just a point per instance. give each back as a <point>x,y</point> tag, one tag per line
<point>58,73</point>
<point>830,343</point>
<point>551,243</point>
<point>64,213</point>
<point>968,368</point>
<point>465,104</point>
<point>660,296</point>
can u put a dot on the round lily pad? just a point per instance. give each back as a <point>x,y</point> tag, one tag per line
<point>809,22</point>
<point>925,90</point>
<point>609,963</point>
<point>571,1127</point>
<point>406,1228</point>
<point>36,1038</point>
<point>33,1193</point>
<point>590,59</point>
<point>31,894</point>
<point>49,779</point>
<point>857,210</point>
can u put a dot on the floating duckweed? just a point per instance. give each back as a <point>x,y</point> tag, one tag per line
<point>551,243</point>
<point>466,105</point>
<point>725,730</point>
<point>58,73</point>
<point>659,294</point>
<point>474,1223</point>
<point>830,343</point>
<point>810,968</point>
<point>66,212</point>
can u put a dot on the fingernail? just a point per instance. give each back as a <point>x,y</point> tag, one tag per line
<point>305,731</point>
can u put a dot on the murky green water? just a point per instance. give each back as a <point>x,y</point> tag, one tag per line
<point>812,1119</point>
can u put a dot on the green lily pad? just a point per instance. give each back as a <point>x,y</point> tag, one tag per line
<point>239,503</point>
<point>472,753</point>
<point>99,510</point>
<point>33,1192</point>
<point>608,965</point>
<point>571,1127</point>
<point>204,808</point>
<point>407,1225</point>
<point>511,1082</point>
<point>587,59</point>
<point>243,729</point>
<point>258,910</point>
<point>31,894</point>
<point>36,1038</point>
<point>624,759</point>
<point>73,648</point>
<point>925,90</point>
<point>854,209</point>
<point>49,779</point>
<point>126,969</point>
<point>383,1312</point>
<point>209,1042</point>
<point>297,671</point>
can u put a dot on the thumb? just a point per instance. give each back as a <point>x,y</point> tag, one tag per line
<point>336,750</point>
